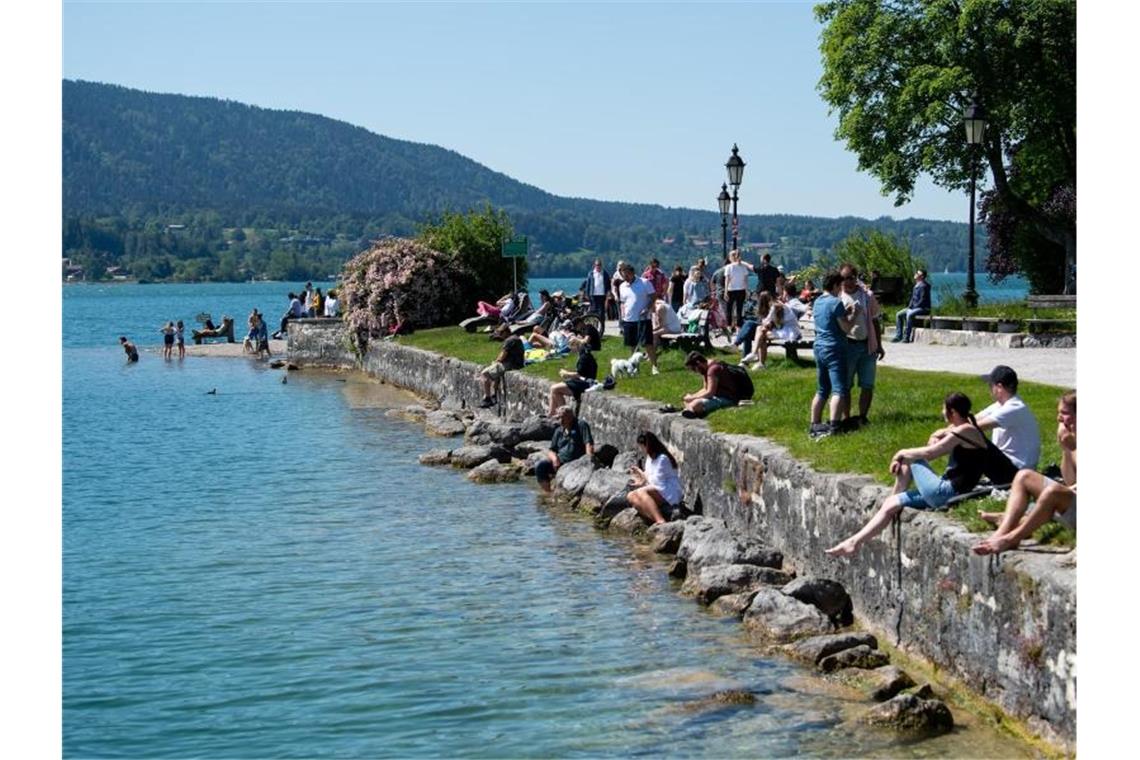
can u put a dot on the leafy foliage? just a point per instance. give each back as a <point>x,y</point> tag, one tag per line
<point>873,251</point>
<point>901,74</point>
<point>401,281</point>
<point>474,240</point>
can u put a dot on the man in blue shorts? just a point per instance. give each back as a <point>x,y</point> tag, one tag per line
<point>832,319</point>
<point>864,341</point>
<point>636,296</point>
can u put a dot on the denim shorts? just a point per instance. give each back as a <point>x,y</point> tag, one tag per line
<point>831,372</point>
<point>928,490</point>
<point>712,403</point>
<point>861,362</point>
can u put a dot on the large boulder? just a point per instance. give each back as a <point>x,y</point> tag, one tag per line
<point>816,648</point>
<point>444,423</point>
<point>629,521</point>
<point>616,504</point>
<point>537,428</point>
<point>626,459</point>
<point>526,448</point>
<point>666,537</point>
<point>571,478</point>
<point>827,595</point>
<point>878,684</point>
<point>910,714</point>
<point>436,457</point>
<point>603,485</point>
<point>678,569</point>
<point>532,461</point>
<point>411,412</point>
<point>467,457</point>
<point>492,471</point>
<point>709,541</point>
<point>780,619</point>
<point>485,431</point>
<point>861,656</point>
<point>733,605</point>
<point>713,581</point>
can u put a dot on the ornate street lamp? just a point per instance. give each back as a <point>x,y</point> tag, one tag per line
<point>724,200</point>
<point>975,123</point>
<point>735,166</point>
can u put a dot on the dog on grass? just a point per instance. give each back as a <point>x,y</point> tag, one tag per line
<point>627,367</point>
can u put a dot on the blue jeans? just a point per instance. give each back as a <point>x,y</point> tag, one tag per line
<point>746,334</point>
<point>831,371</point>
<point>928,491</point>
<point>907,316</point>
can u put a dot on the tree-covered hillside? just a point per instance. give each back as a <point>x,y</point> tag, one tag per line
<point>170,186</point>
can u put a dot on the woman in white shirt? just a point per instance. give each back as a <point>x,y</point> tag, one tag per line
<point>736,287</point>
<point>658,493</point>
<point>780,324</point>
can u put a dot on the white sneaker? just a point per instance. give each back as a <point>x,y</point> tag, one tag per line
<point>758,366</point>
<point>656,371</point>
<point>752,357</point>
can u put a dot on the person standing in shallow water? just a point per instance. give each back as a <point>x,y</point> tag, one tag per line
<point>129,348</point>
<point>167,340</point>
<point>180,337</point>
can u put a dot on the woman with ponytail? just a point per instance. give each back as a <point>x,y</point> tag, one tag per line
<point>917,485</point>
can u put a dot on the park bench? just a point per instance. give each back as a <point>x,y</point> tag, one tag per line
<point>1051,302</point>
<point>225,331</point>
<point>792,347</point>
<point>689,341</point>
<point>1049,325</point>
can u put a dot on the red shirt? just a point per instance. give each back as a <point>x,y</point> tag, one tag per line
<point>659,279</point>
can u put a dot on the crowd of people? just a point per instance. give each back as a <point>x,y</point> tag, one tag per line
<point>847,343</point>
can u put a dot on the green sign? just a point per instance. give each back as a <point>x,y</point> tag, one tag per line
<point>514,249</point>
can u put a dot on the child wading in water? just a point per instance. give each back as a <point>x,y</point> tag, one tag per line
<point>167,340</point>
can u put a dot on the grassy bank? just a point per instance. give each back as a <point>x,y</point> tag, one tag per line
<point>906,409</point>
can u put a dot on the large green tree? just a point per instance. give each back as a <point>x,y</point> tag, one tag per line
<point>475,240</point>
<point>900,74</point>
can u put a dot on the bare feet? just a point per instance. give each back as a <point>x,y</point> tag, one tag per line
<point>994,545</point>
<point>843,549</point>
<point>993,518</point>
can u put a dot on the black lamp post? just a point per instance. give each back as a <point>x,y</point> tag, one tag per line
<point>724,200</point>
<point>735,166</point>
<point>975,122</point>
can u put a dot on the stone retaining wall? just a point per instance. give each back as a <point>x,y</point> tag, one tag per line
<point>1005,627</point>
<point>992,339</point>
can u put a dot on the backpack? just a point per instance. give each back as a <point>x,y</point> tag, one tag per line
<point>741,379</point>
<point>514,352</point>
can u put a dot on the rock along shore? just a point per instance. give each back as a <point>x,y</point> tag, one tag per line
<point>1005,628</point>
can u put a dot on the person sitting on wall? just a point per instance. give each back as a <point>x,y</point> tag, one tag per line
<point>574,383</point>
<point>919,305</point>
<point>1056,501</point>
<point>511,356</point>
<point>918,486</point>
<point>724,385</point>
<point>571,440</point>
<point>658,494</point>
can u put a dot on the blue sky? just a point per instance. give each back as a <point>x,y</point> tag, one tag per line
<point>629,101</point>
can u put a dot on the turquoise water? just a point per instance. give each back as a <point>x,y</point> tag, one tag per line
<point>267,572</point>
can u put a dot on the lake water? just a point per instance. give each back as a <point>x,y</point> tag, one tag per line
<point>267,572</point>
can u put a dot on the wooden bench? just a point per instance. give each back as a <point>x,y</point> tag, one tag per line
<point>792,347</point>
<point>689,341</point>
<point>1051,302</point>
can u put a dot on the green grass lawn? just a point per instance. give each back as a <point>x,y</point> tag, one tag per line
<point>906,409</point>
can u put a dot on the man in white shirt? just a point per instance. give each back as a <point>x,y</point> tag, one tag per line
<point>636,296</point>
<point>1015,428</point>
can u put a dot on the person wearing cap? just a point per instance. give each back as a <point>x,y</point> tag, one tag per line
<point>768,274</point>
<point>864,340</point>
<point>1015,430</point>
<point>919,305</point>
<point>596,287</point>
<point>636,296</point>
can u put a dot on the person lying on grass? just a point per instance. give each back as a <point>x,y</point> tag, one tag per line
<point>917,485</point>
<point>1055,501</point>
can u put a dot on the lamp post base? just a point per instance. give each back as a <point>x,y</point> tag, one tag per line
<point>970,296</point>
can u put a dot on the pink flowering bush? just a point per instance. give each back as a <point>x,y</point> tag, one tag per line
<point>400,282</point>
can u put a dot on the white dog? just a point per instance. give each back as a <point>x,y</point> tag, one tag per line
<point>627,367</point>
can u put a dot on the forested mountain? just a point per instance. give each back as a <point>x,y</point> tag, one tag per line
<point>170,186</point>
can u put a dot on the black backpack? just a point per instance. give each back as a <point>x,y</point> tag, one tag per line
<point>514,352</point>
<point>742,381</point>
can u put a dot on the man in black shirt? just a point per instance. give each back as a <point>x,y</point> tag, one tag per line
<point>768,274</point>
<point>575,383</point>
<point>571,440</point>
